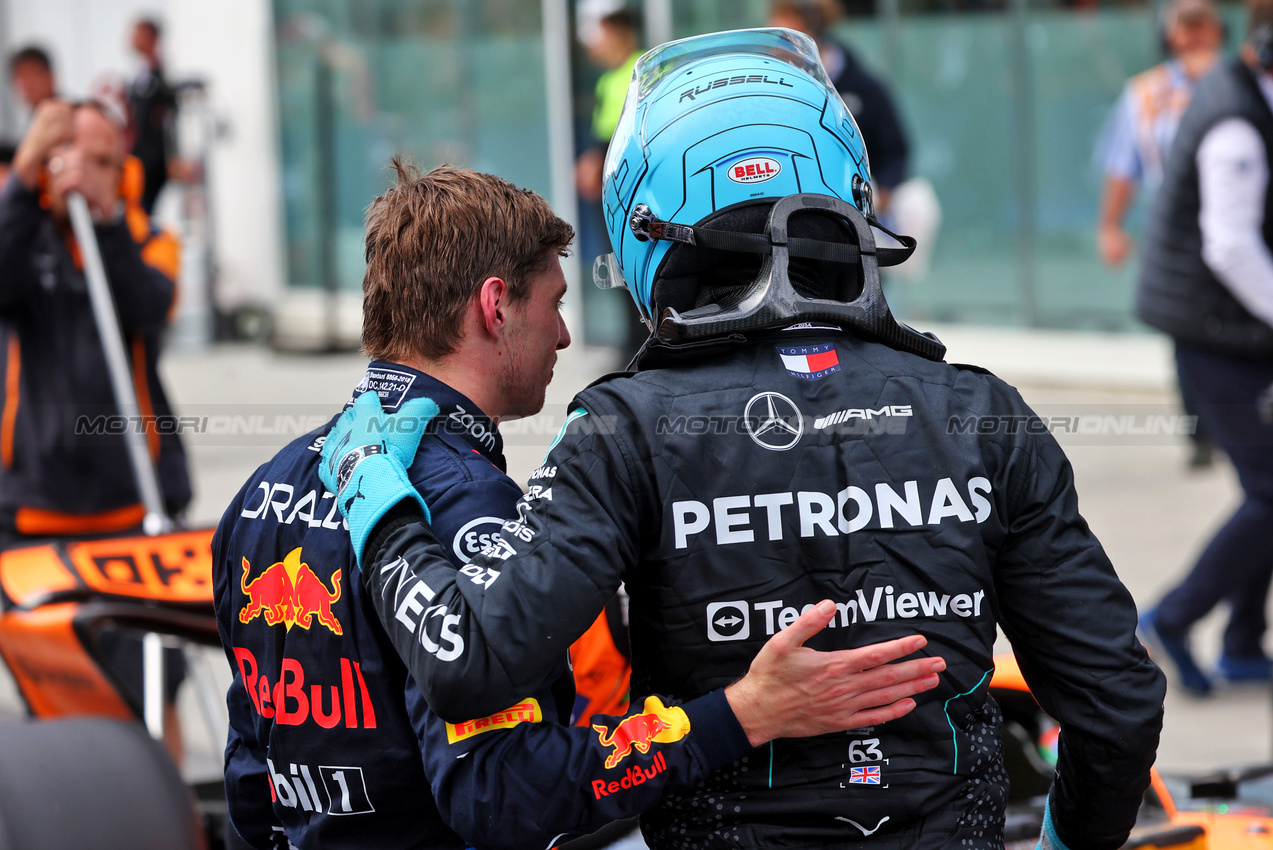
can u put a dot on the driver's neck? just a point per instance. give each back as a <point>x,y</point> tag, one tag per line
<point>466,371</point>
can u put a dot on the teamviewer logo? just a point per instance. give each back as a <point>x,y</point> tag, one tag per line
<point>728,621</point>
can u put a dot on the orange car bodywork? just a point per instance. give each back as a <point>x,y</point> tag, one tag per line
<point>1234,830</point>
<point>43,590</point>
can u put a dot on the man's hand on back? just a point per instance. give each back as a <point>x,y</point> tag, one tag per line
<point>794,692</point>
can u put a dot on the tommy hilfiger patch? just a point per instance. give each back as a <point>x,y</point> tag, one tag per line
<point>810,362</point>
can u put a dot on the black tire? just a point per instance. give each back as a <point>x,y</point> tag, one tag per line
<point>91,783</point>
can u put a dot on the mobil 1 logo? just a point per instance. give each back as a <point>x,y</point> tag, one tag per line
<point>728,621</point>
<point>339,790</point>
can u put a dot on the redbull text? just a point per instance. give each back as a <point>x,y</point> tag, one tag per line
<point>657,724</point>
<point>287,702</point>
<point>289,592</point>
<point>636,775</point>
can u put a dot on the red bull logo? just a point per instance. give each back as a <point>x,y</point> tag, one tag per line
<point>636,775</point>
<point>657,724</point>
<point>287,700</point>
<point>289,592</point>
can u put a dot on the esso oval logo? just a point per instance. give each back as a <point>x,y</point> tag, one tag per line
<point>475,536</point>
<point>756,169</point>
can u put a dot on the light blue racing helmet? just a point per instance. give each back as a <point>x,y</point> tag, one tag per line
<point>715,132</point>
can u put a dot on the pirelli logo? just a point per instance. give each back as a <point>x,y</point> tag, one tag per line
<point>526,711</point>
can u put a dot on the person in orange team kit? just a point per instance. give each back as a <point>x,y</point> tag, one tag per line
<point>62,473</point>
<point>59,474</point>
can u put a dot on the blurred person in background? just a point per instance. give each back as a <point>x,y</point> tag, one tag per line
<point>58,476</point>
<point>601,665</point>
<point>54,480</point>
<point>1144,120</point>
<point>1139,135</point>
<point>152,107</point>
<point>31,74</point>
<point>611,34</point>
<point>868,99</point>
<point>462,291</point>
<point>1207,281</point>
<point>31,71</point>
<point>614,44</point>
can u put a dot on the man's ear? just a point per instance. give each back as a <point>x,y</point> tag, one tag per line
<point>492,304</point>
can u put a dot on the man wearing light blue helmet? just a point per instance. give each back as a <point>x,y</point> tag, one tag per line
<point>783,439</point>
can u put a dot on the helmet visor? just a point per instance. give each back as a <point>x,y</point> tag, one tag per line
<point>774,45</point>
<point>781,45</point>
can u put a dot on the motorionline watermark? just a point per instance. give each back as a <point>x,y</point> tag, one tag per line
<point>715,425</point>
<point>274,425</point>
<point>271,427</point>
<point>1121,425</point>
<point>1115,424</point>
<point>219,425</point>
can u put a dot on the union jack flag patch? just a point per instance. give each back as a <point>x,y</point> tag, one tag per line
<point>864,775</point>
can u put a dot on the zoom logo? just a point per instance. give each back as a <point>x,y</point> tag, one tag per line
<point>728,621</point>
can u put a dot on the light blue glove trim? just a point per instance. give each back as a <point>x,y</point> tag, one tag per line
<point>377,482</point>
<point>1048,839</point>
<point>409,426</point>
<point>365,460</point>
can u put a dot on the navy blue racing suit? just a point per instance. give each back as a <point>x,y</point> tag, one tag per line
<point>331,743</point>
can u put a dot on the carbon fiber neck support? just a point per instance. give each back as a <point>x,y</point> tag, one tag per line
<point>771,301</point>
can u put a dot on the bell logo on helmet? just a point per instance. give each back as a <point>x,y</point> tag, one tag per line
<point>756,169</point>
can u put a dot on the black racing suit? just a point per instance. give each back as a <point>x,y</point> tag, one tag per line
<point>737,483</point>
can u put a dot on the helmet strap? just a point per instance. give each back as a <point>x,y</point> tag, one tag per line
<point>645,224</point>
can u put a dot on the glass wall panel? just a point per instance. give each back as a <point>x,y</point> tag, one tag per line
<point>955,89</point>
<point>442,81</point>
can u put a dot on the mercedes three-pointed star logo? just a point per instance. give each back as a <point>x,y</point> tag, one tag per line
<point>773,421</point>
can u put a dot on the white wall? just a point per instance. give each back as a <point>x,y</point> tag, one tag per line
<point>84,37</point>
<point>229,43</point>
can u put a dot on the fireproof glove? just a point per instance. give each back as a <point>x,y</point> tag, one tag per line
<point>1048,839</point>
<point>365,460</point>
